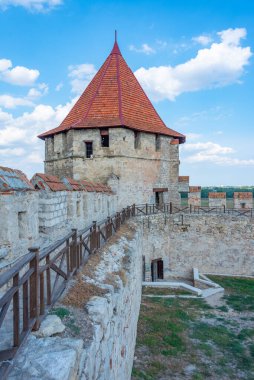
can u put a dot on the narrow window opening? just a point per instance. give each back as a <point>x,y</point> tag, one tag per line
<point>89,149</point>
<point>104,138</point>
<point>64,142</point>
<point>22,224</point>
<point>243,204</point>
<point>157,143</point>
<point>136,140</point>
<point>78,208</point>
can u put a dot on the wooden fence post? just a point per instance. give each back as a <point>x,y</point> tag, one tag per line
<point>34,288</point>
<point>146,208</point>
<point>75,249</point>
<point>170,208</point>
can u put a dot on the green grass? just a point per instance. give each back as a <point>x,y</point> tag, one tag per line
<point>164,291</point>
<point>239,292</point>
<point>175,332</point>
<point>61,312</point>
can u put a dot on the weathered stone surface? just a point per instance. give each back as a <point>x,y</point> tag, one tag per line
<point>4,252</point>
<point>48,358</point>
<point>51,325</point>
<point>219,244</point>
<point>122,165</point>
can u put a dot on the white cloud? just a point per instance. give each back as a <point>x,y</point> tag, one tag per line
<point>8,101</point>
<point>5,64</point>
<point>14,152</point>
<point>213,153</point>
<point>193,136</point>
<point>219,65</point>
<point>59,86</point>
<point>32,5</point>
<point>21,133</point>
<point>209,148</point>
<point>202,40</point>
<point>145,48</point>
<point>18,75</point>
<point>81,76</point>
<point>35,93</point>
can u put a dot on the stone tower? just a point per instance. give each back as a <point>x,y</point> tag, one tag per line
<point>114,135</point>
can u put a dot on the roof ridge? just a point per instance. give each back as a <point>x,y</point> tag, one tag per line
<point>119,90</point>
<point>82,120</point>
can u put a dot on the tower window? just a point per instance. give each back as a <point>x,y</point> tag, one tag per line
<point>89,149</point>
<point>104,138</point>
<point>136,140</point>
<point>157,143</point>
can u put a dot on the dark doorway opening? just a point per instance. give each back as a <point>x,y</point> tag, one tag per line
<point>159,198</point>
<point>157,270</point>
<point>144,267</point>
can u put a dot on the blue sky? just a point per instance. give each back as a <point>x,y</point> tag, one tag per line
<point>193,58</point>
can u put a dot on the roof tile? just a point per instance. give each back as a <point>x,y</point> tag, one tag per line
<point>114,98</point>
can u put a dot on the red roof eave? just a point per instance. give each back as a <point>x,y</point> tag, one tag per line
<point>170,132</point>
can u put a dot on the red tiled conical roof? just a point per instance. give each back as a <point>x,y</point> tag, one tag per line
<point>114,98</point>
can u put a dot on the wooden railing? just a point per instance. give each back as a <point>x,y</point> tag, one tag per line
<point>35,282</point>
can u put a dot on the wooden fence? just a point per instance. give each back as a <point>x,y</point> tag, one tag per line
<point>36,281</point>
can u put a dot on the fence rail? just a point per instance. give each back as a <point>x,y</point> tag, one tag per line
<point>36,281</point>
<point>170,208</point>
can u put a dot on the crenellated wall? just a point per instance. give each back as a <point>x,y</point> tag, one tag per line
<point>30,218</point>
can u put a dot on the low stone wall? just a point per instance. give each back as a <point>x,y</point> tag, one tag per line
<point>214,244</point>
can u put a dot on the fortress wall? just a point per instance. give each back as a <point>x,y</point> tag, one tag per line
<point>18,223</point>
<point>40,217</point>
<point>103,345</point>
<point>135,171</point>
<point>213,244</point>
<point>243,200</point>
<point>217,199</point>
<point>110,353</point>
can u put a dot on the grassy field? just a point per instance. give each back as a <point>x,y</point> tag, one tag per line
<point>189,339</point>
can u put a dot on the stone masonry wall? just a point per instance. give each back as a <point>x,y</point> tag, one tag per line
<point>136,171</point>
<point>19,223</point>
<point>40,217</point>
<point>103,348</point>
<point>243,200</point>
<point>213,244</point>
<point>217,199</point>
<point>115,317</point>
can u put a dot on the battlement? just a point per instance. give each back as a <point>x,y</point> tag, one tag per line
<point>45,208</point>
